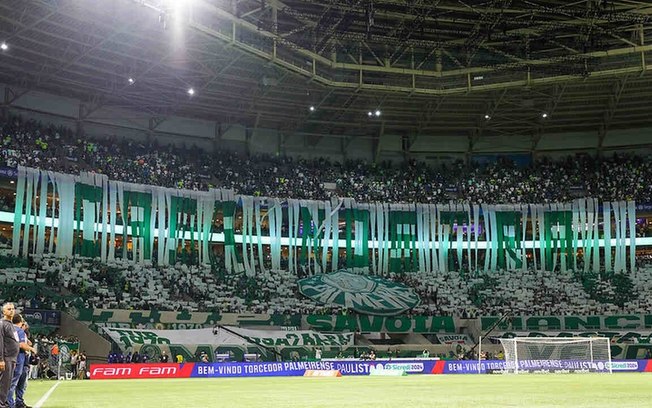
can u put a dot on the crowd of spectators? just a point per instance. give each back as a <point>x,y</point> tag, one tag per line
<point>56,283</point>
<point>620,177</point>
<point>51,362</point>
<point>51,282</point>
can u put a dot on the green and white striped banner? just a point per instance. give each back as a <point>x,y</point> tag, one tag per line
<point>90,215</point>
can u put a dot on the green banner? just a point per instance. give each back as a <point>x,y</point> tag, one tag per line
<point>151,319</point>
<point>89,200</point>
<point>181,209</point>
<point>139,211</point>
<point>546,323</point>
<point>613,336</point>
<point>402,235</point>
<point>65,350</point>
<point>508,225</point>
<point>381,324</point>
<point>378,238</point>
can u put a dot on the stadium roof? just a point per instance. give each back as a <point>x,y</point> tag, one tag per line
<point>474,68</point>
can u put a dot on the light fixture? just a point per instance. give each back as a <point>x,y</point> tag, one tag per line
<point>312,109</point>
<point>486,116</point>
<point>131,81</point>
<point>378,112</point>
<point>370,114</point>
<point>544,115</point>
<point>4,46</point>
<point>191,91</point>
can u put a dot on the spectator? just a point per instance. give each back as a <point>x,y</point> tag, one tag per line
<point>609,178</point>
<point>74,361</point>
<point>81,368</point>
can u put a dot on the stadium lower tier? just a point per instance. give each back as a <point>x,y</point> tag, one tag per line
<point>357,367</point>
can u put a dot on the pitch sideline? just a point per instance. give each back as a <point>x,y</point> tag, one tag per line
<point>45,396</point>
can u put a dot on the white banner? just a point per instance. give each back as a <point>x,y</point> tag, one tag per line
<point>128,338</point>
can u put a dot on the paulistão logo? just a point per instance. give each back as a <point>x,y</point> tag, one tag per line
<point>364,294</point>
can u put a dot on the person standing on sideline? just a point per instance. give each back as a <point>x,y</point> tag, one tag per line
<point>20,363</point>
<point>8,351</point>
<point>21,387</point>
<point>73,363</point>
<point>82,365</point>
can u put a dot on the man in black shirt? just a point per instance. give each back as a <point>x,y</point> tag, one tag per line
<point>8,351</point>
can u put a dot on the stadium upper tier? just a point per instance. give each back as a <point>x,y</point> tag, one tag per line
<point>122,284</point>
<point>31,144</point>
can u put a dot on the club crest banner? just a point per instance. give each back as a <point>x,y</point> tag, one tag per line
<point>364,294</point>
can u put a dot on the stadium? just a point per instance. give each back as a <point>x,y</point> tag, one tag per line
<point>360,203</point>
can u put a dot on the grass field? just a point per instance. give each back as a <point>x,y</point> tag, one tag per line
<point>579,390</point>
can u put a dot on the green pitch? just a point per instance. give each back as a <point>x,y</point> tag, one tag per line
<point>566,390</point>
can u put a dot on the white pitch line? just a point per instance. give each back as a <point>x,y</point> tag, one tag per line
<point>44,398</point>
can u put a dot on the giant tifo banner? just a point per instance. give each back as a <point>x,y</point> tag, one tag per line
<point>165,320</point>
<point>277,369</point>
<point>91,211</point>
<point>128,338</point>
